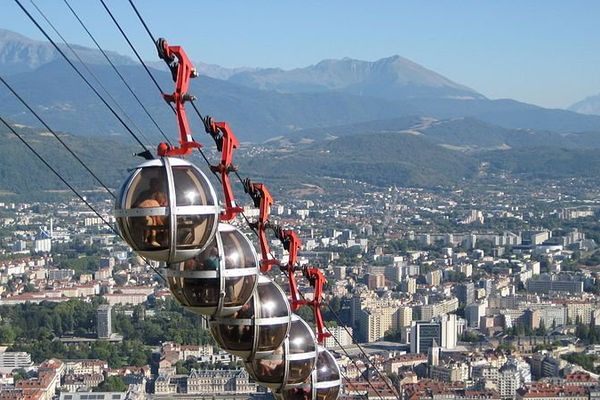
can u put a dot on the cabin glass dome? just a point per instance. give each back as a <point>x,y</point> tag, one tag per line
<point>219,280</point>
<point>291,363</point>
<point>260,326</point>
<point>167,210</point>
<point>324,383</point>
<point>328,380</point>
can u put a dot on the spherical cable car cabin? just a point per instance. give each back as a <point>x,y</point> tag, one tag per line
<point>220,280</point>
<point>324,383</point>
<point>259,327</point>
<point>167,210</point>
<point>291,363</point>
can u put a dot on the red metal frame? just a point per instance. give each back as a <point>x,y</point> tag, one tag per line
<point>182,71</point>
<point>292,243</point>
<point>226,142</point>
<point>317,280</point>
<point>263,200</point>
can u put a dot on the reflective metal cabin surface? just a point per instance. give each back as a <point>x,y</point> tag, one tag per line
<point>167,210</point>
<point>260,326</point>
<point>291,363</point>
<point>323,384</point>
<point>220,280</point>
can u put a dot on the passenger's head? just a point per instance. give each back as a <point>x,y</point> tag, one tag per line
<point>161,198</point>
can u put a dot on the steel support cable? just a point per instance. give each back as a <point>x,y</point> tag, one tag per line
<point>134,50</point>
<point>353,362</point>
<point>157,85</point>
<point>56,136</point>
<point>80,74</point>
<point>348,381</point>
<point>338,319</point>
<point>92,74</point>
<point>63,180</point>
<point>142,21</point>
<point>116,70</point>
<point>148,70</point>
<point>361,350</point>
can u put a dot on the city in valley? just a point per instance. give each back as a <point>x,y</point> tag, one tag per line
<point>487,291</point>
<point>299,200</point>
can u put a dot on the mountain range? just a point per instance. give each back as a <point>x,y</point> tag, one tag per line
<point>390,121</point>
<point>259,103</point>
<point>392,78</point>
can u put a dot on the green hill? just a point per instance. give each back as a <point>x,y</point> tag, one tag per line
<point>385,158</point>
<point>380,159</point>
<point>23,173</point>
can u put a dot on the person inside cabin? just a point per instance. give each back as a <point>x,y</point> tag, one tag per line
<point>242,333</point>
<point>271,369</point>
<point>148,194</point>
<point>154,234</point>
<point>213,261</point>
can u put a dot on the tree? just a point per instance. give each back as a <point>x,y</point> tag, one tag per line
<point>19,374</point>
<point>470,336</point>
<point>7,334</point>
<point>506,347</point>
<point>336,304</point>
<point>393,335</point>
<point>29,288</point>
<point>541,330</point>
<point>112,384</point>
<point>395,379</point>
<point>306,313</point>
<point>181,369</point>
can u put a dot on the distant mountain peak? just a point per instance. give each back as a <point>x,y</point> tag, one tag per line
<point>6,35</point>
<point>19,53</point>
<point>396,57</point>
<point>393,78</point>
<point>589,105</point>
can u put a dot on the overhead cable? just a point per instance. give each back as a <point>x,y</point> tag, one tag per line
<point>63,180</point>
<point>134,50</point>
<point>149,73</point>
<point>87,68</point>
<point>80,74</point>
<point>81,197</point>
<point>114,67</point>
<point>56,136</point>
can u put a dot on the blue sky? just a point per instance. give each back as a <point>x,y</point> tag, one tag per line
<point>542,52</point>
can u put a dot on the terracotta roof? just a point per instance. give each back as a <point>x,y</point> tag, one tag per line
<point>537,390</point>
<point>580,376</point>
